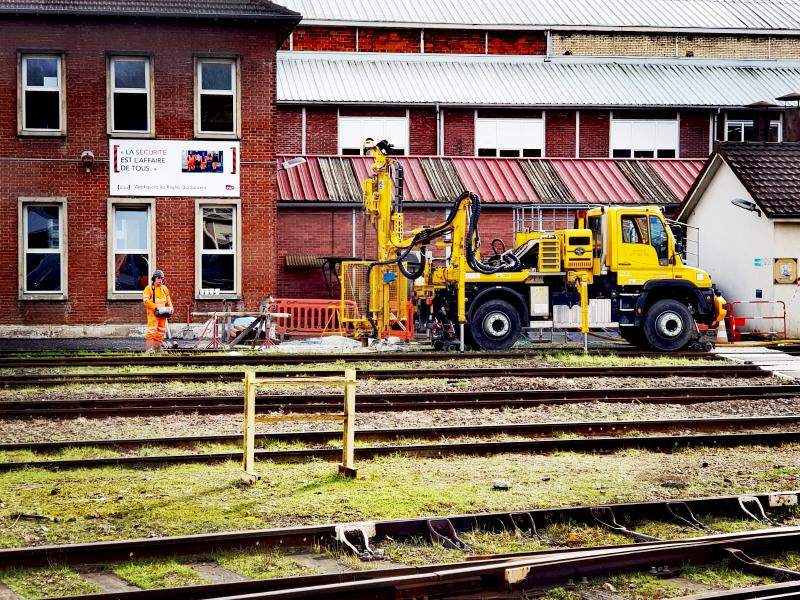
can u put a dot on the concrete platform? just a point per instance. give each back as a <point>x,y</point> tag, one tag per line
<point>769,359</point>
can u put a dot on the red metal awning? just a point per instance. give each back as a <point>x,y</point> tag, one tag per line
<point>596,181</point>
<point>495,180</point>
<point>678,175</point>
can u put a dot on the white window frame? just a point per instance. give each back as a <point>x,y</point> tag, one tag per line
<point>205,294</point>
<point>373,127</point>
<point>515,143</point>
<point>22,87</point>
<point>643,144</point>
<point>111,89</point>
<point>22,221</point>
<point>113,204</point>
<point>236,132</point>
<point>751,123</point>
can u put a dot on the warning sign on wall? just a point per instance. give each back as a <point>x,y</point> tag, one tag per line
<point>194,168</point>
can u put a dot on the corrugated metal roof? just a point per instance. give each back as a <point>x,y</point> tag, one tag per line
<point>647,183</point>
<point>597,181</point>
<point>497,181</point>
<point>546,182</point>
<point>194,9</point>
<point>303,182</point>
<point>500,180</point>
<point>322,77</point>
<point>679,175</point>
<point>739,15</point>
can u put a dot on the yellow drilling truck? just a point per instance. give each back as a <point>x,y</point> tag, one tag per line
<point>618,267</point>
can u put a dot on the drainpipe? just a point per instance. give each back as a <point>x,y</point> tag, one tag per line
<point>439,135</point>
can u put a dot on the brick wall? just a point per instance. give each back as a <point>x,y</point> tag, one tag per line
<point>422,131</point>
<point>655,44</point>
<point>328,39</point>
<point>694,134</point>
<point>289,130</point>
<point>451,41</point>
<point>51,167</point>
<point>594,134</point>
<point>517,42</point>
<point>321,130</point>
<point>454,41</point>
<point>459,132</point>
<point>559,133</point>
<point>388,40</point>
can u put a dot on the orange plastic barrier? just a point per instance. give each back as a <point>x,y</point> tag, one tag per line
<point>735,322</point>
<point>309,317</point>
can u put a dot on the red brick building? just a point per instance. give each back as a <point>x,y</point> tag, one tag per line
<point>136,135</point>
<point>471,81</point>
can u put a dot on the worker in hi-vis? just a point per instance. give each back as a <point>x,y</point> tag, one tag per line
<point>158,304</point>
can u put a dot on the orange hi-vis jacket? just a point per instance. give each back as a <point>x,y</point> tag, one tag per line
<point>156,297</point>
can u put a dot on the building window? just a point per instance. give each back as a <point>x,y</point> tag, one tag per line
<point>743,130</point>
<point>41,95</point>
<point>218,250</point>
<point>354,130</point>
<point>131,242</point>
<point>43,247</point>
<point>644,138</point>
<point>509,137</point>
<point>130,101</point>
<point>217,101</point>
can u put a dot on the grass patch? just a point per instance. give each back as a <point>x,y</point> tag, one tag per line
<point>577,534</point>
<point>47,583</point>
<point>787,560</point>
<point>117,503</point>
<point>255,563</point>
<point>419,551</point>
<point>723,576</point>
<point>151,574</point>
<point>643,586</point>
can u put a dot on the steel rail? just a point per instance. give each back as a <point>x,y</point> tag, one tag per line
<point>588,428</point>
<point>173,358</point>
<point>590,444</point>
<point>383,402</point>
<point>500,574</point>
<point>714,371</point>
<point>545,570</point>
<point>308,536</point>
<point>786,589</point>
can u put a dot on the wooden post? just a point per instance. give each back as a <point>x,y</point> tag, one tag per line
<point>249,474</point>
<point>349,429</point>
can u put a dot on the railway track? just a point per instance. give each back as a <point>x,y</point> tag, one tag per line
<point>484,448</point>
<point>586,428</point>
<point>385,402</point>
<point>714,371</point>
<point>521,571</point>
<point>195,358</point>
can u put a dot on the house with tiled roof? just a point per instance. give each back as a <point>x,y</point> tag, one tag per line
<point>745,205</point>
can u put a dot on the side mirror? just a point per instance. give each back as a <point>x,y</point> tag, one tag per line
<point>679,248</point>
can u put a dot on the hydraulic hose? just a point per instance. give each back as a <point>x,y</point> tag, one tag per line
<point>473,242</point>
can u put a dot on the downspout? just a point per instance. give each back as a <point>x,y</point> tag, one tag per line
<point>353,229</point>
<point>438,130</point>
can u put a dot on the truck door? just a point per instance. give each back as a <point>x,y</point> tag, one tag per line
<point>643,249</point>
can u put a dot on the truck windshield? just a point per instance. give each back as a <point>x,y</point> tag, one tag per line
<point>659,239</point>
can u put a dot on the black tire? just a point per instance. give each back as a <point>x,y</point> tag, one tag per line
<point>634,336</point>
<point>668,325</point>
<point>495,325</point>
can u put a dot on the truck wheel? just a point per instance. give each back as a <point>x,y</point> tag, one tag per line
<point>495,325</point>
<point>668,325</point>
<point>634,336</point>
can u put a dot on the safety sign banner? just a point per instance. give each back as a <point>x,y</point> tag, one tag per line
<point>193,168</point>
